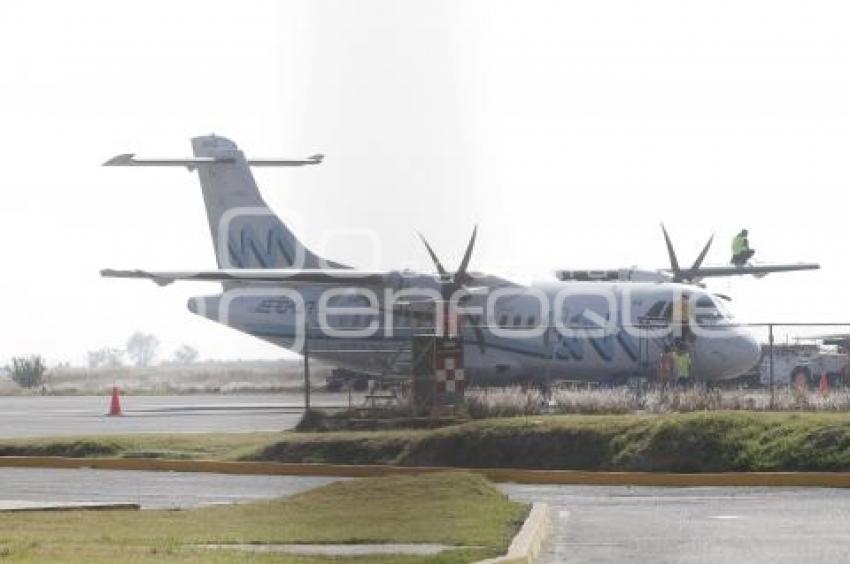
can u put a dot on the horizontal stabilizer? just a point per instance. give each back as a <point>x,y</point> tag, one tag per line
<point>129,159</point>
<point>278,276</point>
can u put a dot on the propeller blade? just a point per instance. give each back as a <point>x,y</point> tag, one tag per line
<point>460,275</point>
<point>701,257</point>
<point>434,258</point>
<point>674,262</point>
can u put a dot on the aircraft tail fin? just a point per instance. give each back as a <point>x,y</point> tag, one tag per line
<point>246,233</point>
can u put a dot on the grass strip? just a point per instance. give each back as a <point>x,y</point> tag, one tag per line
<point>714,441</point>
<point>453,508</point>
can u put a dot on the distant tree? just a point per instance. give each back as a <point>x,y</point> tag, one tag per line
<point>28,371</point>
<point>106,357</point>
<point>142,348</point>
<point>186,355</point>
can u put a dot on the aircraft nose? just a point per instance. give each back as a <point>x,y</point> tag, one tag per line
<point>752,354</point>
<point>730,357</point>
<point>744,354</point>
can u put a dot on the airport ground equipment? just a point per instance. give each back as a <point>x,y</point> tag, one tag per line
<point>803,363</point>
<point>438,375</point>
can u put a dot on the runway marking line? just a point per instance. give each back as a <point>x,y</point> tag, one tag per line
<point>516,475</point>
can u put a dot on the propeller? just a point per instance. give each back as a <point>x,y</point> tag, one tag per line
<point>451,282</point>
<point>690,275</point>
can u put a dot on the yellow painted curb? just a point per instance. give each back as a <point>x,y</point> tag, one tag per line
<point>518,475</point>
<point>526,546</point>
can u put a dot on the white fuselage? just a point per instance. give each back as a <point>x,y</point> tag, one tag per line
<point>597,331</point>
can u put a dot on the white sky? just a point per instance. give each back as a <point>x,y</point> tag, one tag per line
<point>567,130</point>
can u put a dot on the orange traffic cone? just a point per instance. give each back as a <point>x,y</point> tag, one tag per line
<point>115,403</point>
<point>824,384</point>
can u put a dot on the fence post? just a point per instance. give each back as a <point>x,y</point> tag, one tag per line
<point>770,352</point>
<point>307,364</point>
<point>550,332</point>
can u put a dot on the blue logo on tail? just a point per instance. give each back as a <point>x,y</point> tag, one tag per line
<point>252,250</point>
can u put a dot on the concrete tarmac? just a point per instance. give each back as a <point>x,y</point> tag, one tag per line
<point>49,416</point>
<point>693,525</point>
<point>150,490</point>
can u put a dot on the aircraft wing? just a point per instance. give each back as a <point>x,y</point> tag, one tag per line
<point>278,276</point>
<point>329,276</point>
<point>757,270</point>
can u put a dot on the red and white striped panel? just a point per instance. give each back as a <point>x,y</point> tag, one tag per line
<point>449,375</point>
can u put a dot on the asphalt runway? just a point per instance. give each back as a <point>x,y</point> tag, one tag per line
<point>48,416</point>
<point>693,525</point>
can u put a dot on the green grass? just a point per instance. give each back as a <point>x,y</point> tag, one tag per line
<point>691,442</point>
<point>453,508</point>
<point>218,446</point>
<point>714,441</point>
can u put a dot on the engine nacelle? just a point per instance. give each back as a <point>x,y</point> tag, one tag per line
<point>612,275</point>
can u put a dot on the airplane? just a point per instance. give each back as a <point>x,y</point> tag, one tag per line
<point>579,326</point>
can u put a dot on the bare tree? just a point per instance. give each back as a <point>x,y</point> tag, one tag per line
<point>142,348</point>
<point>28,371</point>
<point>107,357</point>
<point>186,355</point>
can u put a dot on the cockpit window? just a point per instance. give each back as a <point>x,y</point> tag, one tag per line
<point>705,301</point>
<point>707,311</point>
<point>720,303</point>
<point>655,310</point>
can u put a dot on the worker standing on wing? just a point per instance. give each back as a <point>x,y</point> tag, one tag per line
<point>741,251</point>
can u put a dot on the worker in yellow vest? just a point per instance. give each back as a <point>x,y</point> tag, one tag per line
<point>683,364</point>
<point>741,251</point>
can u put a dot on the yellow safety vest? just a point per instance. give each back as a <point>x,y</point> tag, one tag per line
<point>683,364</point>
<point>739,244</point>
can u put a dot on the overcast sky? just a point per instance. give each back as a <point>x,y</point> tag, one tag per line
<point>566,130</point>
